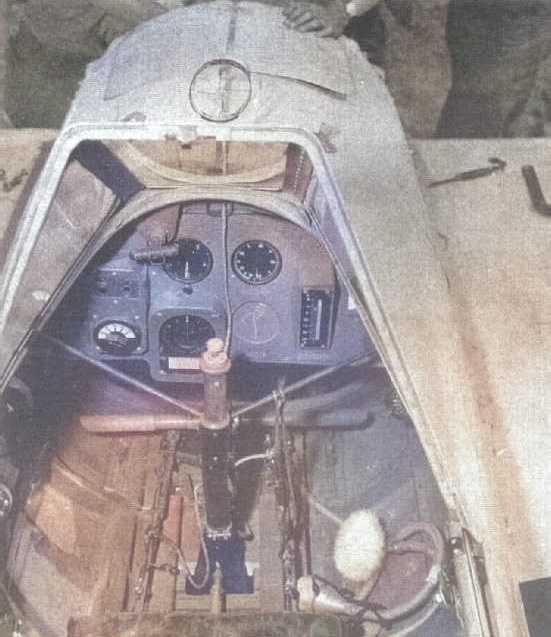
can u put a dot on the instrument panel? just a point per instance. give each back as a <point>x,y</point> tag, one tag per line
<point>188,272</point>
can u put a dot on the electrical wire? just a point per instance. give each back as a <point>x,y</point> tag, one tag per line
<point>227,298</point>
<point>254,456</point>
<point>181,212</point>
<point>190,577</point>
<point>323,509</point>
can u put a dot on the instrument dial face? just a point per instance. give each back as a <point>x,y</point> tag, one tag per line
<point>184,335</point>
<point>192,263</point>
<point>256,262</point>
<point>117,338</point>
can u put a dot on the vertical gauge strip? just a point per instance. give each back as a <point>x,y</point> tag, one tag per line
<point>316,314</point>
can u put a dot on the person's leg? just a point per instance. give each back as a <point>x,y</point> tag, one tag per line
<point>496,49</point>
<point>50,47</point>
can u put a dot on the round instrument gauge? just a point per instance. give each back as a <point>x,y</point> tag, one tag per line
<point>117,338</point>
<point>184,335</point>
<point>256,262</point>
<point>192,263</point>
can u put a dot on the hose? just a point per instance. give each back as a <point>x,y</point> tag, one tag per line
<point>407,608</point>
<point>428,612</point>
<point>401,545</point>
<point>329,599</point>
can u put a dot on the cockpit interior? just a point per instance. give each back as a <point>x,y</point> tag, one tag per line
<point>201,427</point>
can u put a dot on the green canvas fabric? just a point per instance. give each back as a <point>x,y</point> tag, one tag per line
<point>500,53</point>
<point>226,625</point>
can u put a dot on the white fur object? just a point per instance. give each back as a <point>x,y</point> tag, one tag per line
<point>359,546</point>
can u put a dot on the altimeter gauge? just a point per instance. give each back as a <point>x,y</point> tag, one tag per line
<point>256,262</point>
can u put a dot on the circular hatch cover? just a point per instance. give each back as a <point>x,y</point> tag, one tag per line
<point>220,90</point>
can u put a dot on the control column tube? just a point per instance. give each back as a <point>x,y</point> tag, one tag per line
<point>215,434</point>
